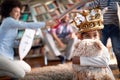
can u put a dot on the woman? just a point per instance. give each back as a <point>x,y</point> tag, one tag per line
<point>10,12</point>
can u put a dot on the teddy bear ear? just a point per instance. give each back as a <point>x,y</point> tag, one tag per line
<point>98,45</point>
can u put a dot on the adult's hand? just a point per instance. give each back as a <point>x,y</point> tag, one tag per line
<point>51,23</point>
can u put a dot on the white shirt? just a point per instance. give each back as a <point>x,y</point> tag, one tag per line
<point>99,61</point>
<point>8,34</point>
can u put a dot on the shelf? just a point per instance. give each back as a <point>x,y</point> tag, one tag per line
<point>45,11</point>
<point>26,14</point>
<point>55,13</point>
<point>50,6</point>
<point>20,34</point>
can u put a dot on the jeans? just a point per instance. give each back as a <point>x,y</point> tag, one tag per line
<point>113,32</point>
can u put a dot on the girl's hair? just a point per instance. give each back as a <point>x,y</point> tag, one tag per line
<point>99,31</point>
<point>7,6</point>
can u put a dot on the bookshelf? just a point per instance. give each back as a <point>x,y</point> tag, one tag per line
<point>44,11</point>
<point>26,14</point>
<point>51,6</point>
<point>25,17</point>
<point>41,10</point>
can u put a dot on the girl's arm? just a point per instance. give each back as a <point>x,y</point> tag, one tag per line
<point>98,61</point>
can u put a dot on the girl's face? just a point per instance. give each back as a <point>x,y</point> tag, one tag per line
<point>15,13</point>
<point>91,35</point>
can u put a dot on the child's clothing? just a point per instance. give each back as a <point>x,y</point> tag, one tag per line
<point>92,66</point>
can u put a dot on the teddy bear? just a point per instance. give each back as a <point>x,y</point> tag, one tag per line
<point>88,48</point>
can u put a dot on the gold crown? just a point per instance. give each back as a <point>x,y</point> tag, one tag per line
<point>88,20</point>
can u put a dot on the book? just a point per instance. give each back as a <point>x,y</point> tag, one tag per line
<point>42,9</point>
<point>37,10</point>
<point>54,14</point>
<point>46,16</point>
<point>40,18</point>
<point>50,6</point>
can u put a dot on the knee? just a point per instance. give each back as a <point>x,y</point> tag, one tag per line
<point>28,69</point>
<point>20,75</point>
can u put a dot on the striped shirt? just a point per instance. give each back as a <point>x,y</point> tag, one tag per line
<point>110,17</point>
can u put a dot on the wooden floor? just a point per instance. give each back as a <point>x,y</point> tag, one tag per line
<point>39,62</point>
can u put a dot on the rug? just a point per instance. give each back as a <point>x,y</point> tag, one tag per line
<point>57,72</point>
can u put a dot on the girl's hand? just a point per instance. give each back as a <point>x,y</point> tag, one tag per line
<point>76,60</point>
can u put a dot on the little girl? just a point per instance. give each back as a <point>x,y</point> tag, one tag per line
<point>90,58</point>
<point>88,66</point>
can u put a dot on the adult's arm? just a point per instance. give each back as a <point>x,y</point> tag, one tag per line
<point>22,25</point>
